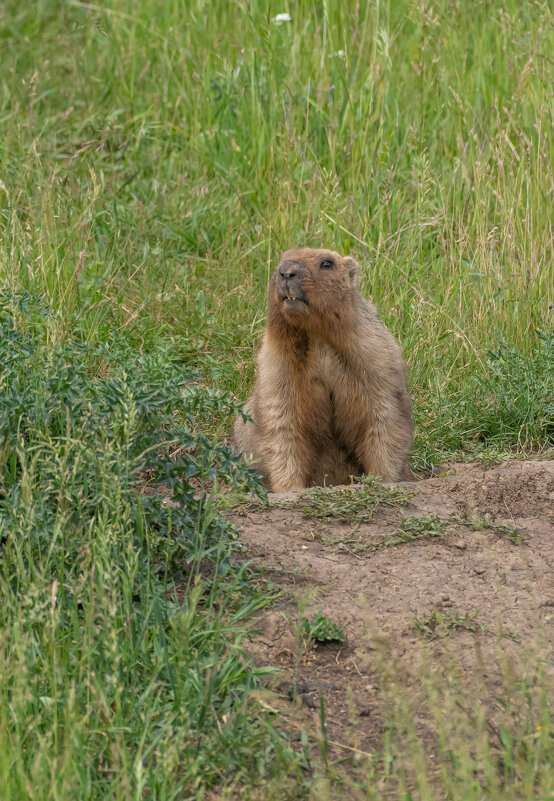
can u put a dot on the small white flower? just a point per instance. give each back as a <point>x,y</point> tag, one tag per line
<point>282,18</point>
<point>338,54</point>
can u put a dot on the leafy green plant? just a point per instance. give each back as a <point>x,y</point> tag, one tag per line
<point>116,608</point>
<point>139,423</point>
<point>321,629</point>
<point>421,526</point>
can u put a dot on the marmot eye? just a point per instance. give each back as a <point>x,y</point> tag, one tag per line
<point>326,264</point>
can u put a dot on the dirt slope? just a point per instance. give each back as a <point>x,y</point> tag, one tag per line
<point>468,601</point>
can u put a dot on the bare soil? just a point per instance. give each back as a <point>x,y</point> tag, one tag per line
<point>469,602</point>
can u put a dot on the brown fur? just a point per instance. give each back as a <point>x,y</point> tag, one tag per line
<point>331,397</point>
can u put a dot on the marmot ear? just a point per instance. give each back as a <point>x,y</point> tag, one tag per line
<point>352,267</point>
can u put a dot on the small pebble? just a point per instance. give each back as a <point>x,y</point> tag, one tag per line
<point>460,544</point>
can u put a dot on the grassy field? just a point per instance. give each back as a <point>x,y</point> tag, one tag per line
<point>155,158</point>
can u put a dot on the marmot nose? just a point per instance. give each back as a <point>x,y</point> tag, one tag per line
<point>289,269</point>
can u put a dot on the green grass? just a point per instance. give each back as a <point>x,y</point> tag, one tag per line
<point>122,672</point>
<point>408,529</point>
<point>477,523</point>
<point>440,624</point>
<point>155,158</point>
<point>155,164</point>
<point>355,504</point>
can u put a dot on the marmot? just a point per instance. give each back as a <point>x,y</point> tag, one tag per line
<point>331,396</point>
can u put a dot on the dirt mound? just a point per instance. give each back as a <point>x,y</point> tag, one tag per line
<point>459,574</point>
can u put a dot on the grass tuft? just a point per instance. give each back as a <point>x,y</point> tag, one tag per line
<point>440,624</point>
<point>355,504</point>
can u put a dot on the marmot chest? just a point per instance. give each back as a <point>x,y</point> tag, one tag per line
<point>321,392</point>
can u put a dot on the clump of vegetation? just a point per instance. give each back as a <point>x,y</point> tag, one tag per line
<point>355,504</point>
<point>321,629</point>
<point>408,530</point>
<point>439,624</point>
<point>518,392</point>
<point>421,527</point>
<point>507,400</point>
<point>485,523</point>
<point>77,447</point>
<point>116,608</point>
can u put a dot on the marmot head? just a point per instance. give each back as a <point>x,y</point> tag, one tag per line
<point>313,288</point>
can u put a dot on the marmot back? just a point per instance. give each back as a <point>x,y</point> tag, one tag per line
<point>331,396</point>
